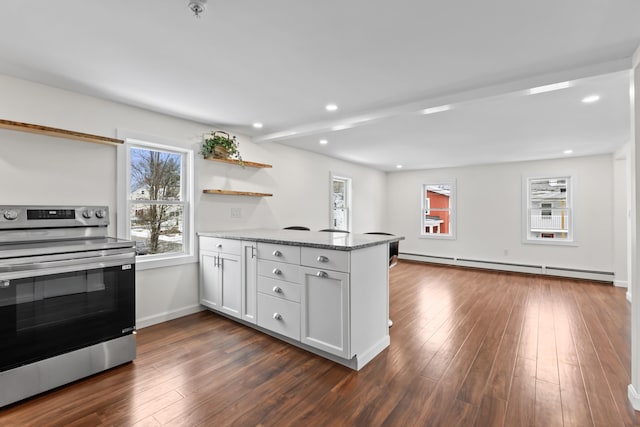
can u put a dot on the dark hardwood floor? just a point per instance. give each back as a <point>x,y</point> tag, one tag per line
<point>468,348</point>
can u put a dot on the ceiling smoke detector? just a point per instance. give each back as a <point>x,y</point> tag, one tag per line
<point>197,7</point>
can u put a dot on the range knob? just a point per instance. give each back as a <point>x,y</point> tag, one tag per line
<point>100,213</point>
<point>10,215</point>
<point>87,214</point>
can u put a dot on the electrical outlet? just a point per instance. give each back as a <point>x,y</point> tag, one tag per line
<point>236,213</point>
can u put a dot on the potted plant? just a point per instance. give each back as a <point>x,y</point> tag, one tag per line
<point>220,145</point>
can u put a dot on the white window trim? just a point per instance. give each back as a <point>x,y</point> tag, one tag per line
<point>348,209</point>
<point>453,210</point>
<point>571,188</point>
<point>123,181</point>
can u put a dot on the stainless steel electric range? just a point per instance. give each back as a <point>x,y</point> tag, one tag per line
<point>67,297</point>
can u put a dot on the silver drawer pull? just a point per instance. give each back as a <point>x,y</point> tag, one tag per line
<point>322,258</point>
<point>277,316</point>
<point>277,271</point>
<point>219,245</point>
<point>277,289</point>
<point>322,274</point>
<point>277,253</point>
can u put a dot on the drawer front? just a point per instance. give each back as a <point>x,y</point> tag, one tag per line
<point>283,253</point>
<point>279,289</point>
<point>279,270</point>
<point>325,259</point>
<point>227,246</point>
<point>279,315</point>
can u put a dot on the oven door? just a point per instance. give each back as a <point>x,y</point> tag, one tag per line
<point>52,306</point>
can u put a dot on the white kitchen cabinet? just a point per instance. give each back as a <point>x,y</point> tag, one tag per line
<point>248,282</point>
<point>325,295</point>
<point>325,311</point>
<point>221,276</point>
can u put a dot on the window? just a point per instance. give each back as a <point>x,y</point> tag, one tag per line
<point>340,214</point>
<point>548,209</point>
<point>438,210</point>
<point>155,197</point>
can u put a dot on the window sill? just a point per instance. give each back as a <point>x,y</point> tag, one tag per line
<point>167,261</point>
<point>550,242</point>
<point>437,236</point>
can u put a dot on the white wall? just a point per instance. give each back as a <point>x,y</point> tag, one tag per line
<point>36,169</point>
<point>620,214</point>
<point>489,217</point>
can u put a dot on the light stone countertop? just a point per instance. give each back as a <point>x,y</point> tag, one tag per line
<point>313,239</point>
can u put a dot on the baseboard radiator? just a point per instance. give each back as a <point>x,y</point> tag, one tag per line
<point>601,276</point>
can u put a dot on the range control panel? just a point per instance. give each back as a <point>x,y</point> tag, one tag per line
<point>13,217</point>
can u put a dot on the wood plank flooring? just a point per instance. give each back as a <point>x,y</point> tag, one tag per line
<point>468,348</point>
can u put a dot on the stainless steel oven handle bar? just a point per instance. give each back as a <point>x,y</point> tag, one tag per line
<point>24,269</point>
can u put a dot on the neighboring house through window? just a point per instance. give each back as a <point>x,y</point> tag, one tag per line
<point>155,196</point>
<point>549,209</point>
<point>438,210</point>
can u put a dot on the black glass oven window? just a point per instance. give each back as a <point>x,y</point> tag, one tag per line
<point>41,317</point>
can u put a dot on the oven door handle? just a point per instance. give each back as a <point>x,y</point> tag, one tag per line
<point>43,268</point>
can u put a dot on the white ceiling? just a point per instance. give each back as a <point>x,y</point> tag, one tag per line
<point>280,62</point>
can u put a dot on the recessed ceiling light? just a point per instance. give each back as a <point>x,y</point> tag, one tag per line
<point>331,107</point>
<point>591,98</point>
<point>324,142</point>
<point>438,109</point>
<point>257,125</point>
<point>567,152</point>
<point>398,166</point>
<point>548,88</point>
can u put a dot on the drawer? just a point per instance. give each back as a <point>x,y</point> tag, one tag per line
<point>279,315</point>
<point>274,252</point>
<point>215,244</point>
<point>279,289</point>
<point>279,270</point>
<point>325,259</point>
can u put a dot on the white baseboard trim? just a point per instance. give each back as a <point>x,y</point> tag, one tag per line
<point>602,276</point>
<point>167,315</point>
<point>621,283</point>
<point>634,397</point>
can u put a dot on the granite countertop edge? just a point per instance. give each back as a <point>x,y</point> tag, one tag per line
<point>311,239</point>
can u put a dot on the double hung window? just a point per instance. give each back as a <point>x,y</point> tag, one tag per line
<point>549,209</point>
<point>155,200</point>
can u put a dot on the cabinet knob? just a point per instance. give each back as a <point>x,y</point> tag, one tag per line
<point>322,258</point>
<point>219,245</point>
<point>277,271</point>
<point>277,316</point>
<point>277,253</point>
<point>322,274</point>
<point>277,289</point>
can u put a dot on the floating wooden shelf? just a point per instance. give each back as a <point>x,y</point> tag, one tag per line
<point>59,133</point>
<point>237,162</point>
<point>237,193</point>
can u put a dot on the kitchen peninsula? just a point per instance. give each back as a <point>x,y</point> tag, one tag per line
<point>325,292</point>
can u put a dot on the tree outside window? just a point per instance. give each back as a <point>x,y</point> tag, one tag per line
<point>156,201</point>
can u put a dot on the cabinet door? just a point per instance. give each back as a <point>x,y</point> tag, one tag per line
<point>248,280</point>
<point>230,280</point>
<point>325,311</point>
<point>209,280</point>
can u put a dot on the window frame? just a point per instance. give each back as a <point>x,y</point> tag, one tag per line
<point>426,206</point>
<point>526,206</point>
<point>134,140</point>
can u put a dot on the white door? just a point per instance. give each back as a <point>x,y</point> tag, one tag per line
<point>230,290</point>
<point>325,311</point>
<point>209,280</point>
<point>340,217</point>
